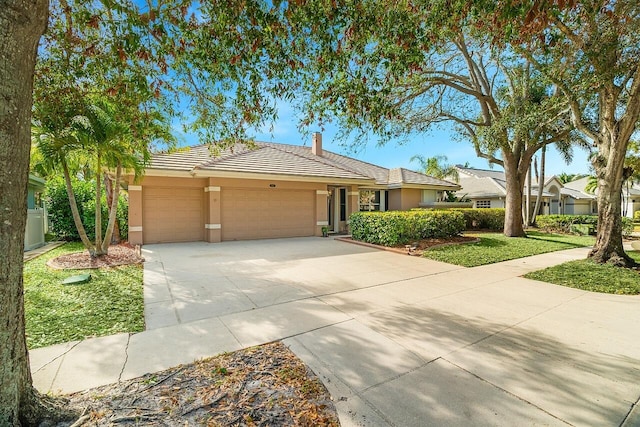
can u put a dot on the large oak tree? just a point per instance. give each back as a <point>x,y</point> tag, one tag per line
<point>591,51</point>
<point>398,69</point>
<point>21,25</point>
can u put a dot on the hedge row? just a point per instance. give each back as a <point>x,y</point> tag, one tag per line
<point>483,219</point>
<point>564,223</point>
<point>479,219</point>
<point>397,227</point>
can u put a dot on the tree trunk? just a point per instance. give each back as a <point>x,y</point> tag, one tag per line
<point>98,228</point>
<point>609,168</point>
<point>74,211</point>
<point>108,189</point>
<point>21,25</point>
<point>112,213</point>
<point>543,155</point>
<point>608,247</point>
<point>527,214</point>
<point>513,224</point>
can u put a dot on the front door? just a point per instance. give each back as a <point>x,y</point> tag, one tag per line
<point>337,209</point>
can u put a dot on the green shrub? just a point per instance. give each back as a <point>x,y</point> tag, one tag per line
<point>636,216</point>
<point>59,210</point>
<point>122,216</point>
<point>627,226</point>
<point>478,219</point>
<point>567,223</point>
<point>483,219</point>
<point>401,227</point>
<point>563,223</point>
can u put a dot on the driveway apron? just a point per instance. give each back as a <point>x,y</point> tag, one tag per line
<point>398,340</point>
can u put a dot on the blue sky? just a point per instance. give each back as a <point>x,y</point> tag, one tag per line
<point>438,142</point>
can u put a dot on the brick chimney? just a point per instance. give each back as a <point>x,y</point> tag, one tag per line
<point>316,144</point>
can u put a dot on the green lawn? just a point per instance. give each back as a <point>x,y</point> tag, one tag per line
<point>110,303</point>
<point>495,247</point>
<point>589,276</point>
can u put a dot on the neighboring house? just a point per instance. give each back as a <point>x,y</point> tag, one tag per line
<point>274,190</point>
<point>630,196</point>
<point>584,203</point>
<point>36,214</point>
<point>631,200</point>
<point>488,189</point>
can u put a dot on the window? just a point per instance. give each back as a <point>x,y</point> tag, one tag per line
<point>343,204</point>
<point>483,204</point>
<point>428,196</point>
<point>369,200</point>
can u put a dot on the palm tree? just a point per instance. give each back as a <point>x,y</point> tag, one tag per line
<point>540,179</point>
<point>568,177</point>
<point>102,140</point>
<point>436,167</point>
<point>592,185</point>
<point>58,149</point>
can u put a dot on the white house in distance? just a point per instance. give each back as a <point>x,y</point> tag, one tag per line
<point>488,189</point>
<point>630,195</point>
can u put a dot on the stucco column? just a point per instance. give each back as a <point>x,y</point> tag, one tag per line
<point>353,205</point>
<point>322,211</point>
<point>135,214</point>
<point>213,227</point>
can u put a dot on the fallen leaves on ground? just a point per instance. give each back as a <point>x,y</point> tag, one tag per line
<point>260,386</point>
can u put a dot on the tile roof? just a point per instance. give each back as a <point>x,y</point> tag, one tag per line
<point>576,194</point>
<point>480,183</point>
<point>283,159</point>
<point>405,176</point>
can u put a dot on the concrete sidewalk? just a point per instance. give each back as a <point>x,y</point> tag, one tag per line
<point>398,340</point>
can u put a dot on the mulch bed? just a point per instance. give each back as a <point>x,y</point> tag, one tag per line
<point>260,386</point>
<point>418,247</point>
<point>122,254</point>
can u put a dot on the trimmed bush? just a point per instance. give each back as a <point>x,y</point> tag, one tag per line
<point>627,226</point>
<point>567,223</point>
<point>636,216</point>
<point>563,223</point>
<point>483,219</point>
<point>478,219</point>
<point>401,227</point>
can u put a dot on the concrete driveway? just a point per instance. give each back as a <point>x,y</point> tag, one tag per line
<point>397,340</point>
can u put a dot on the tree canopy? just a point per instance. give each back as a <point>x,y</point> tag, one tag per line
<point>403,68</point>
<point>590,50</point>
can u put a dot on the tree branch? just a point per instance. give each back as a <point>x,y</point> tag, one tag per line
<point>574,104</point>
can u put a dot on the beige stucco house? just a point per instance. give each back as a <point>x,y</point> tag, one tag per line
<point>273,190</point>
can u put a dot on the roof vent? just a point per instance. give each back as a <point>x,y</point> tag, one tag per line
<point>316,144</point>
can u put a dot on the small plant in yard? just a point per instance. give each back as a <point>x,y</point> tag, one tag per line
<point>589,276</point>
<point>112,302</point>
<point>495,247</point>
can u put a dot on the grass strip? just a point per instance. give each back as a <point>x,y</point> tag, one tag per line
<point>587,275</point>
<point>496,247</point>
<point>112,302</point>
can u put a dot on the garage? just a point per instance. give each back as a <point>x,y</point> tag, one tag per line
<point>172,214</point>
<point>267,213</point>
